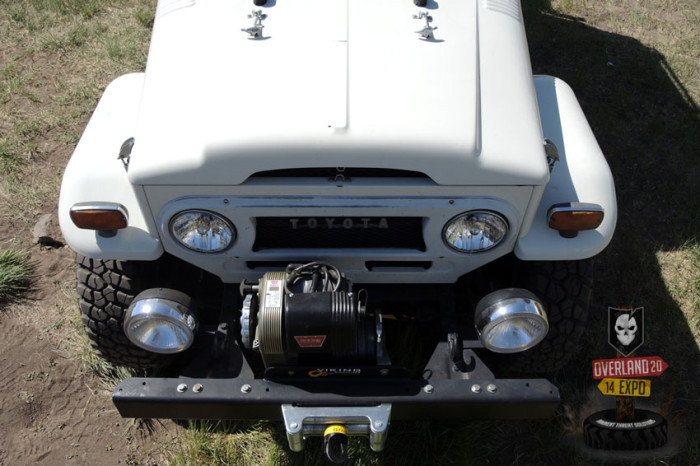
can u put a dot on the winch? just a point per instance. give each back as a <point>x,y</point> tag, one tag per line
<point>308,314</point>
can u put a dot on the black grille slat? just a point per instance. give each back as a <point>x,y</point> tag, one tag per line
<point>331,173</point>
<point>339,233</point>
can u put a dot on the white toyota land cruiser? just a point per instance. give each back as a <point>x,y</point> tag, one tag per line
<point>294,186</point>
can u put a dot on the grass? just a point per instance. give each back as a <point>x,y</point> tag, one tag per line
<point>694,294</point>
<point>15,272</point>
<point>227,443</point>
<point>108,374</point>
<point>60,57</point>
<point>634,67</point>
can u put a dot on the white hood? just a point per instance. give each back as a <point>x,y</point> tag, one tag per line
<point>337,83</point>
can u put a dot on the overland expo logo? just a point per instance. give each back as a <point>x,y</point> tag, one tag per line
<point>626,329</point>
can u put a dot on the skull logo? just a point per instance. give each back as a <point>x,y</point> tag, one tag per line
<point>626,329</point>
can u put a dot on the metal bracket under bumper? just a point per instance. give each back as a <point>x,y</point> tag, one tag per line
<point>371,421</point>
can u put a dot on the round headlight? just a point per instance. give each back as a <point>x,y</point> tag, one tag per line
<point>475,231</point>
<point>202,231</point>
<point>161,321</point>
<point>510,320</point>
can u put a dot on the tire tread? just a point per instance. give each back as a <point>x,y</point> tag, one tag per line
<point>105,291</point>
<point>565,290</point>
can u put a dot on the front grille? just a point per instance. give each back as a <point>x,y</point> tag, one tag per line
<point>339,233</point>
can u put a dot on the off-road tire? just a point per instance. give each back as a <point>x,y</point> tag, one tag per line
<point>648,430</point>
<point>105,291</point>
<point>564,287</point>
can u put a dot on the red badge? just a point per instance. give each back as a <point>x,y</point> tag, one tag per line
<point>310,341</point>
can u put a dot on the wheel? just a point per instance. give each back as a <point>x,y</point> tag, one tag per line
<point>564,287</point>
<point>648,430</point>
<point>105,291</point>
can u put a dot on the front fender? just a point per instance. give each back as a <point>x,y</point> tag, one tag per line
<point>94,174</point>
<point>581,175</point>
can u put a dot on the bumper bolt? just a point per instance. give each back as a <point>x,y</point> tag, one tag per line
<point>197,388</point>
<point>476,388</point>
<point>182,388</point>
<point>246,388</point>
<point>491,388</point>
<point>428,389</point>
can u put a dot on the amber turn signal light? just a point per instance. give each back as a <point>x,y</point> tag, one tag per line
<point>104,216</point>
<point>573,217</point>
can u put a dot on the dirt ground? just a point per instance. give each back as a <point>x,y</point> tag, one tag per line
<point>52,409</point>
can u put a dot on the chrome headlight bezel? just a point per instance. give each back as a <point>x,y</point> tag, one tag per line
<point>496,221</point>
<point>213,219</point>
<point>161,321</point>
<point>511,320</point>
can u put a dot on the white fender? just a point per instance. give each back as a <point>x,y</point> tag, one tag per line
<point>581,175</point>
<point>95,174</point>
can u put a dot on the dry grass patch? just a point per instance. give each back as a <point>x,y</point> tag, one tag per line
<point>57,58</point>
<point>15,271</point>
<point>229,443</point>
<point>681,273</point>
